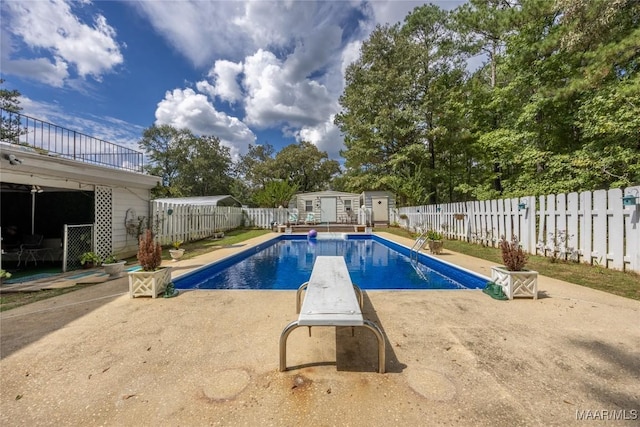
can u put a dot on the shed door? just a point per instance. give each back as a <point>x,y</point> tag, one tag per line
<point>380,209</point>
<point>328,211</point>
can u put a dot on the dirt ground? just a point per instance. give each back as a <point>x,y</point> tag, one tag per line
<point>98,357</point>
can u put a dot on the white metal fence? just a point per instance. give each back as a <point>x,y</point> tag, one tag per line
<point>600,227</point>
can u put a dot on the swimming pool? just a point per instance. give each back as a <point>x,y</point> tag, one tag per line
<point>373,263</point>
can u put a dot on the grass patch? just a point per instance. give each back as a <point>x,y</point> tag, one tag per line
<point>625,284</point>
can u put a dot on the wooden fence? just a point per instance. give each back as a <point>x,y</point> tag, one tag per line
<point>600,227</point>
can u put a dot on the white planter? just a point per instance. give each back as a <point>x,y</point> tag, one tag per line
<point>149,283</point>
<point>176,254</point>
<point>114,269</point>
<point>516,283</point>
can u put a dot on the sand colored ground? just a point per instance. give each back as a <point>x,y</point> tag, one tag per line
<point>97,357</point>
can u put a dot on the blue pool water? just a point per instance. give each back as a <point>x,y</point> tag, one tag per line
<point>286,263</point>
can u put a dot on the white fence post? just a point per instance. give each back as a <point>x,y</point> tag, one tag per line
<point>632,230</point>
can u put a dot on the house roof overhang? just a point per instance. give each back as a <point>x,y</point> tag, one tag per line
<point>42,168</point>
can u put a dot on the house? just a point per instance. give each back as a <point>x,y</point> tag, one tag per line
<point>79,200</point>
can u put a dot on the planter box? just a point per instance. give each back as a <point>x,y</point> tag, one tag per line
<point>149,283</point>
<point>516,283</point>
<point>114,269</point>
<point>435,246</point>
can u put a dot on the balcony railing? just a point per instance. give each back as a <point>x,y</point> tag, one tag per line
<point>51,139</point>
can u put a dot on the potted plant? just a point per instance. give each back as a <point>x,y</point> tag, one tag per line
<point>515,280</point>
<point>4,274</point>
<point>151,279</point>
<point>113,266</point>
<point>434,242</point>
<point>177,252</point>
<point>89,259</point>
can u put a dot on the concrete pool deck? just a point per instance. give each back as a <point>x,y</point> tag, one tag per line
<point>96,357</point>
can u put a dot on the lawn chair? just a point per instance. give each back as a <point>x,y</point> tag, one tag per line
<point>310,219</point>
<point>293,216</point>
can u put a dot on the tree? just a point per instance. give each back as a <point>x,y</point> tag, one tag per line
<point>163,145</point>
<point>305,167</point>
<point>275,194</point>
<point>204,167</point>
<point>10,127</point>
<point>256,167</point>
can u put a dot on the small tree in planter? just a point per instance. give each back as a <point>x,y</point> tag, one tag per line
<point>152,279</point>
<point>434,241</point>
<point>514,279</point>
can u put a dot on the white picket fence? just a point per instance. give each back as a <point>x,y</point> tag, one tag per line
<point>592,227</point>
<point>266,217</point>
<point>179,222</point>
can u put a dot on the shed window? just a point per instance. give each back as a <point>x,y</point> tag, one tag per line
<point>308,205</point>
<point>347,205</point>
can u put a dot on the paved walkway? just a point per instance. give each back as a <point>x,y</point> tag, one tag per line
<point>97,357</point>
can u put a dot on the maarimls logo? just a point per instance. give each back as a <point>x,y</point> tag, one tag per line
<point>607,414</point>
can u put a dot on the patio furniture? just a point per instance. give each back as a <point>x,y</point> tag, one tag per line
<point>310,219</point>
<point>293,216</point>
<point>31,250</point>
<point>330,300</point>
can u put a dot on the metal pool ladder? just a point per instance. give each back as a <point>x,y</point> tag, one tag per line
<point>416,248</point>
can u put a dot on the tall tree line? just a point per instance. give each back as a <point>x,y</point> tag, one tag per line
<point>554,108</point>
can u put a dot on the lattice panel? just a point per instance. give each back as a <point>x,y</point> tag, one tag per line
<point>104,221</point>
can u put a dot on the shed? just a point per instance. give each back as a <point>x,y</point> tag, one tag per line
<point>327,206</point>
<point>379,203</point>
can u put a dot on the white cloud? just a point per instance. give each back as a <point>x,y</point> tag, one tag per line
<point>56,41</point>
<point>272,98</point>
<point>184,108</point>
<point>225,75</point>
<point>199,30</point>
<point>326,136</point>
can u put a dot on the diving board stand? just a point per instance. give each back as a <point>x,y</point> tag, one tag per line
<point>330,300</point>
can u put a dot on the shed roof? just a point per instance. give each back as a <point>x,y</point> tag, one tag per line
<point>223,200</point>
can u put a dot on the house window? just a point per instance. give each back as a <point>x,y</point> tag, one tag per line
<point>308,205</point>
<point>347,205</point>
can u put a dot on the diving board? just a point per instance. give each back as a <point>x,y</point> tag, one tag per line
<point>330,300</point>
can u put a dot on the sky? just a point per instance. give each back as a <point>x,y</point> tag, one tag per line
<point>248,72</point>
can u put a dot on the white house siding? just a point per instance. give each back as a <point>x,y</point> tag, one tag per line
<point>299,202</point>
<point>131,200</point>
<point>367,200</point>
